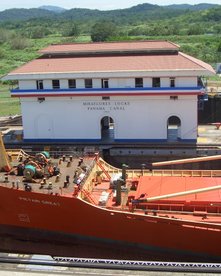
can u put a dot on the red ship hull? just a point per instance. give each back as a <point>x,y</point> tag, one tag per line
<point>82,221</point>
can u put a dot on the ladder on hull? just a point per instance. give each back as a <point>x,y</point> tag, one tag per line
<point>103,169</point>
<point>88,196</point>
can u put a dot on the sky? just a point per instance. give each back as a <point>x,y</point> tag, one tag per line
<point>94,4</point>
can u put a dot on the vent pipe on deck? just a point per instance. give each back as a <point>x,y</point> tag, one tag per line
<point>124,172</point>
<point>118,191</point>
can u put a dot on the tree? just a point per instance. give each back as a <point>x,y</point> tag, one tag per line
<point>2,53</point>
<point>103,30</point>
<point>71,30</point>
<point>217,29</point>
<point>19,43</point>
<point>4,36</point>
<point>195,29</point>
<point>219,48</point>
<point>38,32</point>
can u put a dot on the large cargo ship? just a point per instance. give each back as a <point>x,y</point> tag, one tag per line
<point>87,201</point>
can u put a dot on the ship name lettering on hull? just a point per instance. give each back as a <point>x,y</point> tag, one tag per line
<point>45,202</point>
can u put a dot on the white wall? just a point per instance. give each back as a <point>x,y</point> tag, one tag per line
<point>113,83</point>
<point>27,84</point>
<point>96,83</point>
<point>165,82</point>
<point>147,82</point>
<point>47,84</point>
<point>121,82</point>
<point>134,117</point>
<point>186,81</point>
<point>80,83</point>
<point>64,84</point>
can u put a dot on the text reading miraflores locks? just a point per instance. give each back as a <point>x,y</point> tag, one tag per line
<point>106,105</point>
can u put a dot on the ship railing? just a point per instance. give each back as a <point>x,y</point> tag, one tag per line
<point>192,173</point>
<point>136,173</point>
<point>56,154</point>
<point>179,209</point>
<point>171,208</point>
<point>87,182</point>
<point>109,168</point>
<point>15,154</point>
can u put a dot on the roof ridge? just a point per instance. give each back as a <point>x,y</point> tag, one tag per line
<point>144,45</point>
<point>112,42</point>
<point>199,62</point>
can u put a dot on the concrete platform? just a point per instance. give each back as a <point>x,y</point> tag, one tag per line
<point>207,135</point>
<point>21,269</point>
<point>101,272</point>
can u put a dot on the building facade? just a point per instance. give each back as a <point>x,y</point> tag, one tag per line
<point>112,92</point>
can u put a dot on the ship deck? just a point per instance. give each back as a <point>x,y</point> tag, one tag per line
<point>201,208</point>
<point>49,184</point>
<point>158,185</point>
<point>89,178</point>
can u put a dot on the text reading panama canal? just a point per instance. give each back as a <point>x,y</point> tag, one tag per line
<point>106,105</point>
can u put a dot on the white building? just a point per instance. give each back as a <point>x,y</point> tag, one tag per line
<point>123,91</point>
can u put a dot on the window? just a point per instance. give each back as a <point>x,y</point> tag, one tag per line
<point>41,100</point>
<point>72,83</point>
<point>174,98</point>
<point>172,82</point>
<point>88,83</point>
<point>200,82</point>
<point>105,98</point>
<point>39,84</point>
<point>105,83</point>
<point>138,82</point>
<point>55,84</point>
<point>156,82</point>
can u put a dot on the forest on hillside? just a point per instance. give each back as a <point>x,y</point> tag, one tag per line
<point>197,29</point>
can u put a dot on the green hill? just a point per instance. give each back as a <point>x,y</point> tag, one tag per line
<point>23,14</point>
<point>142,12</point>
<point>196,28</point>
<point>52,8</point>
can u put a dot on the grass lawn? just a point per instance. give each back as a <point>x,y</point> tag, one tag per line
<point>8,105</point>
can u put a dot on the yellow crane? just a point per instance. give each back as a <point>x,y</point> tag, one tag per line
<point>4,160</point>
